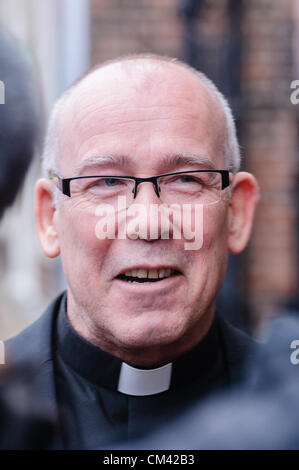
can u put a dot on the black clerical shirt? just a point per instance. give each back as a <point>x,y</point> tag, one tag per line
<point>94,414</point>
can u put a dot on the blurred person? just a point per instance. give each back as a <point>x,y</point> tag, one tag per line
<point>135,339</point>
<point>261,412</point>
<point>18,119</point>
<point>25,421</point>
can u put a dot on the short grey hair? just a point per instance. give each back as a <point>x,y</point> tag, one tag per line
<point>231,146</point>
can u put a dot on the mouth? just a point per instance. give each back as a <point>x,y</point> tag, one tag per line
<point>142,275</point>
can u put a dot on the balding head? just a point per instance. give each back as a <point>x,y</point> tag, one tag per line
<point>140,74</point>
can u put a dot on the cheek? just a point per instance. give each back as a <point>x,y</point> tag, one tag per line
<point>215,229</point>
<point>78,242</point>
<point>209,263</point>
<point>215,243</point>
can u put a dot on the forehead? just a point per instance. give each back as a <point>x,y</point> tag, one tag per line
<point>142,107</point>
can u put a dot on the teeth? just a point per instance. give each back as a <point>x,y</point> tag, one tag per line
<point>151,274</point>
<point>141,273</point>
<point>161,272</point>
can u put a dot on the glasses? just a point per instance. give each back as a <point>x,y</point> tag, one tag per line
<point>183,187</point>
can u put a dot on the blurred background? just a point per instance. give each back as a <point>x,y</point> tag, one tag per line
<point>251,51</point>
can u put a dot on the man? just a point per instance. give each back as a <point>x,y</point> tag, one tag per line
<point>135,339</point>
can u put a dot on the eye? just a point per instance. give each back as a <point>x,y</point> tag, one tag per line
<point>103,183</point>
<point>112,182</point>
<point>189,179</point>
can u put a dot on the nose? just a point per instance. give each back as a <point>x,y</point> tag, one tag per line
<point>146,191</point>
<point>147,221</point>
<point>152,181</point>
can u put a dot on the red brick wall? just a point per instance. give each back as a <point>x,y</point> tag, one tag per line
<point>270,151</point>
<point>132,26</point>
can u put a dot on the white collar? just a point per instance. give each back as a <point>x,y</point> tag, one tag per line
<point>141,382</point>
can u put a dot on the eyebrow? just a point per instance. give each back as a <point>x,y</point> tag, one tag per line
<point>169,162</point>
<point>101,160</point>
<point>181,159</point>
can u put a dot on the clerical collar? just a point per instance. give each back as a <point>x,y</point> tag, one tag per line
<point>141,382</point>
<point>103,369</point>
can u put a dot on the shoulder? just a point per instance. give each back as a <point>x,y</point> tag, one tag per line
<point>29,357</point>
<point>35,341</point>
<point>238,347</point>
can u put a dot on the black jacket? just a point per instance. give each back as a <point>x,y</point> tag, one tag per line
<point>35,345</point>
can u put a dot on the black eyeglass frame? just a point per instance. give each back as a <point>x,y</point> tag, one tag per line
<point>64,183</point>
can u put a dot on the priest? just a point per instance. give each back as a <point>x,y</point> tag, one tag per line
<point>135,340</point>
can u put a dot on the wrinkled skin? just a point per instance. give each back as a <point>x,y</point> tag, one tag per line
<point>143,111</point>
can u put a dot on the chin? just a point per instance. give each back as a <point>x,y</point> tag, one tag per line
<point>148,336</point>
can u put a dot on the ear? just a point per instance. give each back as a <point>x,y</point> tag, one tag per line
<point>244,198</point>
<point>45,218</point>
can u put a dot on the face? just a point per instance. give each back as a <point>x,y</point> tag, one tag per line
<point>142,115</point>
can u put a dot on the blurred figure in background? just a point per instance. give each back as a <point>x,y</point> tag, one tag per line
<point>261,412</point>
<point>24,423</point>
<point>18,119</point>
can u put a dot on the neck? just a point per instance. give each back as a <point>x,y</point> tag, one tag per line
<point>146,357</point>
